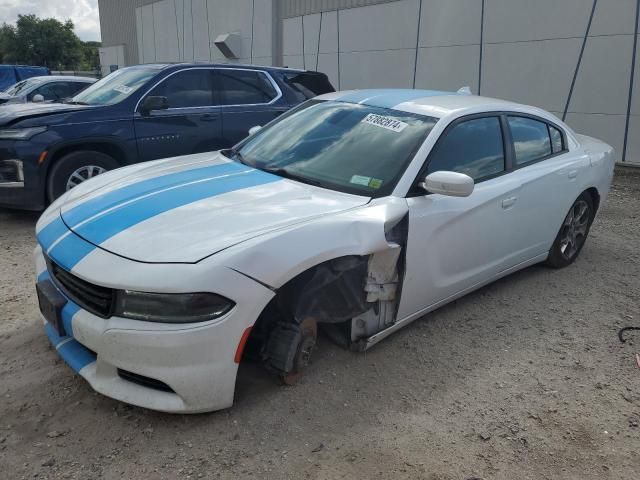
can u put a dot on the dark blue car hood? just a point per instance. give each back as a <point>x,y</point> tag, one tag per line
<point>12,113</point>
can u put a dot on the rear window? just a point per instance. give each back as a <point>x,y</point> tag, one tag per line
<point>244,87</point>
<point>306,85</point>
<point>556,139</point>
<point>530,139</point>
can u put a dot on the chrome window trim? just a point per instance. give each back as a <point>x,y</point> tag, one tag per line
<point>267,74</point>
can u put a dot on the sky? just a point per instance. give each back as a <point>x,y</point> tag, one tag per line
<point>84,13</point>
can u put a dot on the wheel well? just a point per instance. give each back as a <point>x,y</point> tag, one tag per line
<point>330,292</point>
<point>595,197</point>
<point>107,148</point>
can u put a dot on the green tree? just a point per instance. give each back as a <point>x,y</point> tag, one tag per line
<point>7,42</point>
<point>48,42</point>
<point>90,55</point>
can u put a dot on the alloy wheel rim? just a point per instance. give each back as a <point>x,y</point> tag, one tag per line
<point>574,229</point>
<point>83,174</point>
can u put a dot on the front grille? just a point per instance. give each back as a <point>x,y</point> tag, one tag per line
<point>144,381</point>
<point>93,298</point>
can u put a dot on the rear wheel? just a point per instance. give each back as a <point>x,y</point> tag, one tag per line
<point>573,233</point>
<point>75,168</point>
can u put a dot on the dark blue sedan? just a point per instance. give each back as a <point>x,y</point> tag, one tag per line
<point>137,114</point>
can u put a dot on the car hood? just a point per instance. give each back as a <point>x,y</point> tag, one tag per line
<point>12,112</point>
<point>4,98</point>
<point>185,209</point>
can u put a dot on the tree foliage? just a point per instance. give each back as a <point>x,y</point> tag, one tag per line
<point>47,42</point>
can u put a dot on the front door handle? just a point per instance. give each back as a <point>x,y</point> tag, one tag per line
<point>209,118</point>
<point>573,174</point>
<point>509,202</point>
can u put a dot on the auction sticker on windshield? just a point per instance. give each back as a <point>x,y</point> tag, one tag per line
<point>366,181</point>
<point>123,89</point>
<point>385,122</point>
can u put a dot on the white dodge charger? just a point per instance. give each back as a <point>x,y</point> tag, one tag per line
<point>360,211</point>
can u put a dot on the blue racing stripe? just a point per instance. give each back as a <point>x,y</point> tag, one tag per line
<point>73,248</point>
<point>52,232</point>
<point>68,311</point>
<point>54,338</point>
<point>127,193</point>
<point>115,221</point>
<point>76,355</point>
<point>388,98</point>
<point>72,352</point>
<point>70,250</point>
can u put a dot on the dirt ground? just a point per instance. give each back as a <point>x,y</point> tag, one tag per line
<point>523,379</point>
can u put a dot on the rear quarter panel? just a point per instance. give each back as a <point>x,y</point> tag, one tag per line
<point>602,163</point>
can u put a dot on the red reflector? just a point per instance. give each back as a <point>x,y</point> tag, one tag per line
<point>243,342</point>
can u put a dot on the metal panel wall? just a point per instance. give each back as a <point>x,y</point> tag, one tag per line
<point>118,25</point>
<point>296,8</point>
<point>576,58</point>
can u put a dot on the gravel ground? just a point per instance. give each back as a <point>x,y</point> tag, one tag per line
<point>523,379</point>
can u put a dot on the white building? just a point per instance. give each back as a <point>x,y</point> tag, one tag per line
<point>575,58</point>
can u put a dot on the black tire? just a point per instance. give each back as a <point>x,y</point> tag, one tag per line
<point>573,233</point>
<point>64,168</point>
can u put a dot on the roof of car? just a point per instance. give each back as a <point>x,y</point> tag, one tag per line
<point>57,78</point>
<point>220,65</point>
<point>434,103</point>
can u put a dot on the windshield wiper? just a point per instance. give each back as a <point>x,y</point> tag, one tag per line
<point>233,153</point>
<point>284,173</point>
<point>71,102</point>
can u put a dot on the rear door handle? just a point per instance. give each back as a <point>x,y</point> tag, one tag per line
<point>573,174</point>
<point>209,118</point>
<point>509,202</point>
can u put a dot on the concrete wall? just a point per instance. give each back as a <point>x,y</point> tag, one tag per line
<point>114,55</point>
<point>572,57</point>
<point>185,30</point>
<point>522,50</point>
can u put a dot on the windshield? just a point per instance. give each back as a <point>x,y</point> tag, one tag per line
<point>22,87</point>
<point>115,87</point>
<point>347,147</point>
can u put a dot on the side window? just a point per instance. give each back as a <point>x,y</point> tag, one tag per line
<point>530,139</point>
<point>557,143</point>
<point>76,87</point>
<point>188,88</point>
<point>48,91</point>
<point>473,147</point>
<point>63,90</point>
<point>244,87</point>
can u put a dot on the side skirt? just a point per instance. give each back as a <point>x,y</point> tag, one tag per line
<point>371,341</point>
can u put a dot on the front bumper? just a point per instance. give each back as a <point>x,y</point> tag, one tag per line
<point>195,361</point>
<point>21,185</point>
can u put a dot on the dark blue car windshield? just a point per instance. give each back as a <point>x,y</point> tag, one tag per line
<point>116,86</point>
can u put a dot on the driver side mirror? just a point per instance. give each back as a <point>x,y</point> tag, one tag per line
<point>153,103</point>
<point>37,98</point>
<point>452,184</point>
<point>255,129</point>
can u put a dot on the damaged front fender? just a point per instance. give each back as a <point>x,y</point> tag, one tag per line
<point>277,257</point>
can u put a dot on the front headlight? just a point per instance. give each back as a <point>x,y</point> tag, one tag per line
<point>20,133</point>
<point>171,307</point>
